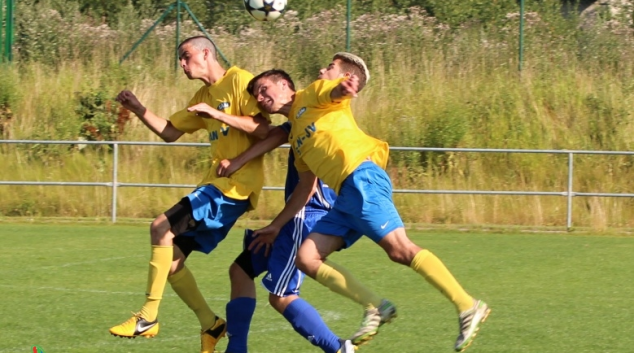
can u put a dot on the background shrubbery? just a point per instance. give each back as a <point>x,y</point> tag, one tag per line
<point>444,74</point>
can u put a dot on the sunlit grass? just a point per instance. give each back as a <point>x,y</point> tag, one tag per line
<point>549,293</point>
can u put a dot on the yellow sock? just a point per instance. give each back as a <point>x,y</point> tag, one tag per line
<point>160,264</point>
<point>435,272</point>
<point>185,286</point>
<point>339,280</point>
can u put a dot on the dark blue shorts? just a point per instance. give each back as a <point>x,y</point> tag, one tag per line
<point>215,214</point>
<point>282,277</point>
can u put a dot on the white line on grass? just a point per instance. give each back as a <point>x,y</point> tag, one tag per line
<point>89,262</point>
<point>76,290</point>
<point>69,264</point>
<point>163,339</point>
<point>93,345</point>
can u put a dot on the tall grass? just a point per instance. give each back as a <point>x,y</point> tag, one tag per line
<point>431,86</point>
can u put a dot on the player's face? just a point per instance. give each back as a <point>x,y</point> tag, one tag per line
<point>192,61</point>
<point>332,72</point>
<point>270,95</point>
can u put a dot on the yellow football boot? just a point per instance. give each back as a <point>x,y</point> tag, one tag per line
<point>136,326</point>
<point>210,337</point>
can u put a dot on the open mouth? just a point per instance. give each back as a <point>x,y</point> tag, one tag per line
<point>267,104</point>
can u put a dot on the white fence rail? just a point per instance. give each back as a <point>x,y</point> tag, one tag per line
<point>569,193</point>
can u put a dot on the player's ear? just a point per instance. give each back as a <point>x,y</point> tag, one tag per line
<point>347,74</point>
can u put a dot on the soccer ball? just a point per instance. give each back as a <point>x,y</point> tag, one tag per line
<point>265,10</point>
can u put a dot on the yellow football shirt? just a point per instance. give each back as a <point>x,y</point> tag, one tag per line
<point>325,137</point>
<point>229,94</point>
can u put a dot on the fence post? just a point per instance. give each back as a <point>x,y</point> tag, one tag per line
<point>178,33</point>
<point>1,29</point>
<point>348,16</point>
<point>115,166</point>
<point>569,194</point>
<point>9,28</point>
<point>520,56</point>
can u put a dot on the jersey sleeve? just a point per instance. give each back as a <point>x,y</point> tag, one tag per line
<point>248,103</point>
<point>187,121</point>
<point>319,93</point>
<point>322,90</point>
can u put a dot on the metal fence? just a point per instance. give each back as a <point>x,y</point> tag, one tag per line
<point>569,193</point>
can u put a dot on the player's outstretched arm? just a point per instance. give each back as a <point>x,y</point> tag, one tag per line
<point>257,125</point>
<point>300,196</point>
<point>276,137</point>
<point>348,87</point>
<point>161,127</point>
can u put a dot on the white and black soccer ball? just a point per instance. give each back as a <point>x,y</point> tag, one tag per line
<point>265,10</point>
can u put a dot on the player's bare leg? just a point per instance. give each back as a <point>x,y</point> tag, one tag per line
<point>145,322</point>
<point>472,312</point>
<point>311,260</point>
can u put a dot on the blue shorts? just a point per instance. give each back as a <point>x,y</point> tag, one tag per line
<point>215,214</point>
<point>364,207</point>
<point>282,276</point>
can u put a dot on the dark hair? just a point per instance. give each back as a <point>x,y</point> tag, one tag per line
<point>200,43</point>
<point>274,75</point>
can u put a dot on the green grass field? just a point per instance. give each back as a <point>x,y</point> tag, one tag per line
<point>63,285</point>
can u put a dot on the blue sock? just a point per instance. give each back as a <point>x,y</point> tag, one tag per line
<point>239,314</point>
<point>307,322</point>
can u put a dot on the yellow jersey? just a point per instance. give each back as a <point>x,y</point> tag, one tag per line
<point>228,94</point>
<point>325,137</point>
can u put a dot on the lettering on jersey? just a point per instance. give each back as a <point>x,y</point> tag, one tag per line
<point>223,105</point>
<point>213,135</point>
<point>300,112</point>
<point>309,131</point>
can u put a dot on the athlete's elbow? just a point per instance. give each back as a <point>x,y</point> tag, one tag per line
<point>261,132</point>
<point>169,138</point>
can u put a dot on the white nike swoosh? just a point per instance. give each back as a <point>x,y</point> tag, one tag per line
<point>144,326</point>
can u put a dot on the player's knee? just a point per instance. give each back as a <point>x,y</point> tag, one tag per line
<point>280,303</point>
<point>301,263</point>
<point>236,273</point>
<point>305,256</point>
<point>403,256</point>
<point>159,231</point>
<point>275,300</point>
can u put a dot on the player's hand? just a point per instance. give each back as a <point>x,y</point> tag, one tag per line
<point>203,110</point>
<point>129,101</point>
<point>227,167</point>
<point>264,237</point>
<point>350,87</point>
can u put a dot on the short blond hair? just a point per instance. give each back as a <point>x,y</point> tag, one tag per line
<point>356,65</point>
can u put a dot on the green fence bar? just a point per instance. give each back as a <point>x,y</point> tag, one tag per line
<point>521,44</point>
<point>178,5</point>
<point>165,13</point>
<point>178,33</point>
<point>348,15</point>
<point>1,28</point>
<point>9,25</point>
<point>202,29</point>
